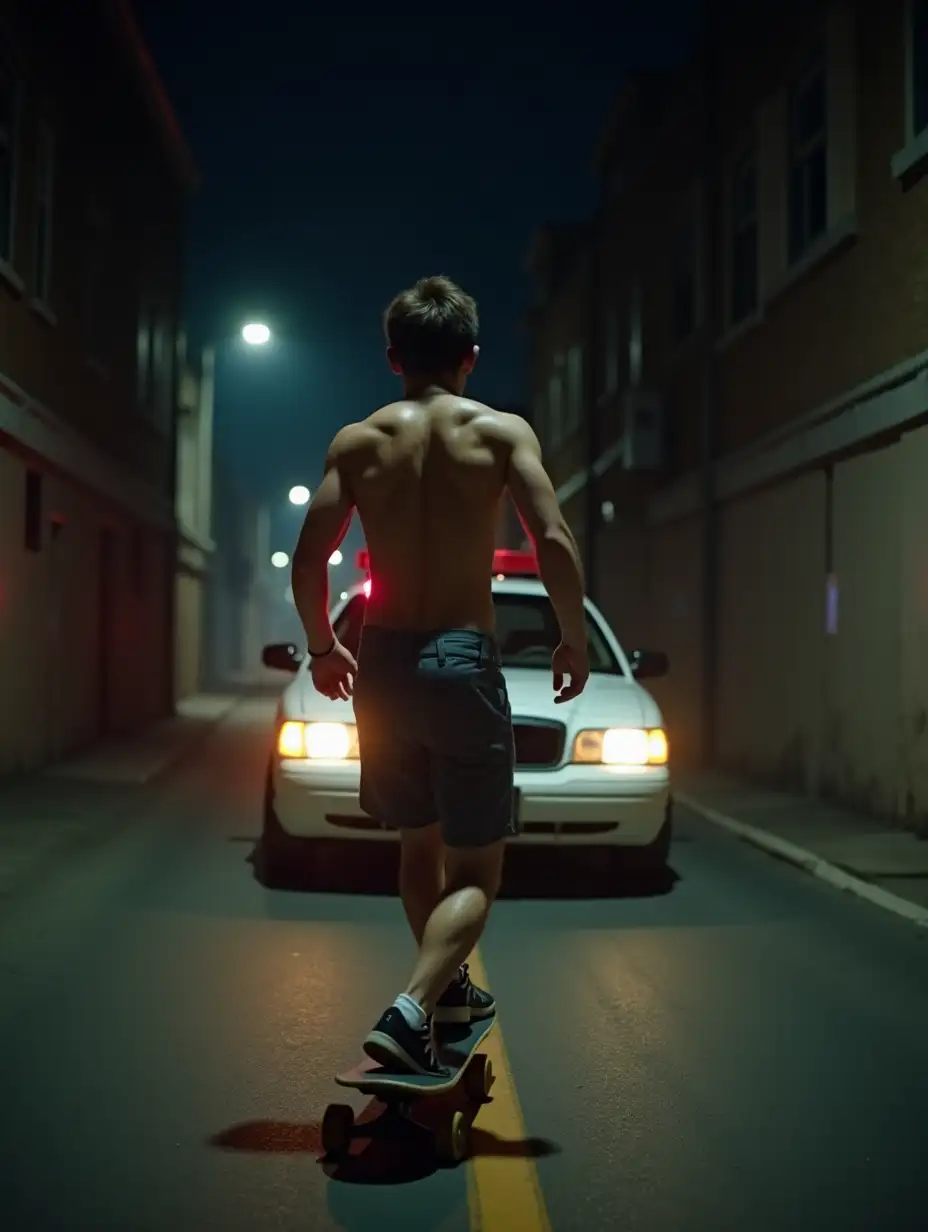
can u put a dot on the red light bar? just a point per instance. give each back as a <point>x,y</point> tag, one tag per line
<point>505,560</point>
<point>515,564</point>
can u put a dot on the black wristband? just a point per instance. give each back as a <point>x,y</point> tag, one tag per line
<point>321,654</point>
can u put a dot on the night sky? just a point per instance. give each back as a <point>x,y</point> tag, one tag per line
<point>346,152</point>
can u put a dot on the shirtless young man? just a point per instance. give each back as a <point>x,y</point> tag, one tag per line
<point>427,475</point>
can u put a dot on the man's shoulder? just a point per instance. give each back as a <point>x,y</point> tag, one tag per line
<point>356,436</point>
<point>502,424</point>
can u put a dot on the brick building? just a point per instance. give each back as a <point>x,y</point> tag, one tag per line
<point>94,176</point>
<point>748,473</point>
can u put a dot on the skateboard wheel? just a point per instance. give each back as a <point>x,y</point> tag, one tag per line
<point>478,1081</point>
<point>337,1124</point>
<point>451,1140</point>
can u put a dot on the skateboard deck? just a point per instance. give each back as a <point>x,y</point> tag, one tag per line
<point>457,1045</point>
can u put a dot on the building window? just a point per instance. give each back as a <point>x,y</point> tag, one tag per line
<point>684,280</point>
<point>635,341</point>
<point>44,195</point>
<point>574,389</point>
<point>555,410</point>
<point>144,358</point>
<point>808,160</point>
<point>9,130</point>
<point>611,351</point>
<point>32,519</point>
<point>95,282</point>
<point>918,52</point>
<point>742,292</point>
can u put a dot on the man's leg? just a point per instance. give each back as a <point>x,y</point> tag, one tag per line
<point>422,875</point>
<point>455,926</point>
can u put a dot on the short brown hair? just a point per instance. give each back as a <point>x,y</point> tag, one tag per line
<point>432,327</point>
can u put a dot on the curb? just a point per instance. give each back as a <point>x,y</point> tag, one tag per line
<point>810,862</point>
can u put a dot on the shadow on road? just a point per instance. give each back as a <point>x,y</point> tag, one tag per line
<point>382,1152</point>
<point>372,867</point>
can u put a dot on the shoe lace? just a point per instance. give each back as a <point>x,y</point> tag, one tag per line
<point>463,977</point>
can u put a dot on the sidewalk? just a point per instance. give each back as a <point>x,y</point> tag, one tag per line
<point>48,814</point>
<point>856,853</point>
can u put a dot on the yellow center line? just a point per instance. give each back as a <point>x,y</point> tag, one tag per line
<point>503,1189</point>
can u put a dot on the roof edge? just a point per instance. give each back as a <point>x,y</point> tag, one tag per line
<point>154,94</point>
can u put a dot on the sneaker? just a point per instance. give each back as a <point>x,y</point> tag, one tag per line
<point>402,1049</point>
<point>463,1001</point>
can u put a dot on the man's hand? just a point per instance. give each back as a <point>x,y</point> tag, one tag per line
<point>574,662</point>
<point>333,674</point>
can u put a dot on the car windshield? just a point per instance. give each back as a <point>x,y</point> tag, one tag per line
<point>526,628</point>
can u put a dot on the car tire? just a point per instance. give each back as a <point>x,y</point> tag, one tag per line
<point>654,856</point>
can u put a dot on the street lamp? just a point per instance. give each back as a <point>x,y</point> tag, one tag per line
<point>280,560</point>
<point>256,334</point>
<point>299,495</point>
<point>335,558</point>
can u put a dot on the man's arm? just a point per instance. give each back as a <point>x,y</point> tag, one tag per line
<point>325,526</point>
<point>555,547</point>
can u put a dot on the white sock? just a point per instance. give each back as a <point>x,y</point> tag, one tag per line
<point>411,1010</point>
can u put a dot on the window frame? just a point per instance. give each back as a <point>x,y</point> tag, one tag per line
<point>45,177</point>
<point>739,226</point>
<point>13,142</point>
<point>799,157</point>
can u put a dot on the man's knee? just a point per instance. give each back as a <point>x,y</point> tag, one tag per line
<point>479,868</point>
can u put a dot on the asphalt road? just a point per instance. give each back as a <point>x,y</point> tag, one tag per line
<point>742,1048</point>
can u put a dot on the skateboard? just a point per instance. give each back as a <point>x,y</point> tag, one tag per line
<point>457,1046</point>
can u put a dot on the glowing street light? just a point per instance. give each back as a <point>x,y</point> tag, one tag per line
<point>280,560</point>
<point>336,558</point>
<point>256,334</point>
<point>299,495</point>
<point>343,595</point>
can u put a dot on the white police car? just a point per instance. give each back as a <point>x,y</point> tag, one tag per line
<point>593,770</point>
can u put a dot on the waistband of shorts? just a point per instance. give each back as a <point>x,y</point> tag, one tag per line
<point>417,644</point>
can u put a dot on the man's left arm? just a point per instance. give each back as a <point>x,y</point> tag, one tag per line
<point>325,526</point>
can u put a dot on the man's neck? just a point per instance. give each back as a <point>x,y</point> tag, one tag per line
<point>415,389</point>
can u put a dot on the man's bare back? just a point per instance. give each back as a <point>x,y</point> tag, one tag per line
<point>431,706</point>
<point>427,476</point>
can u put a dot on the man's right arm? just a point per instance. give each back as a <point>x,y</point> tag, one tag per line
<point>555,547</point>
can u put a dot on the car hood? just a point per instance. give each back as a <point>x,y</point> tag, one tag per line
<point>607,701</point>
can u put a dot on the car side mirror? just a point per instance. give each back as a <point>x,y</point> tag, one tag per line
<point>648,664</point>
<point>282,657</point>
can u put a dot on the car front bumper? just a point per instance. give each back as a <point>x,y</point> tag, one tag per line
<point>571,805</point>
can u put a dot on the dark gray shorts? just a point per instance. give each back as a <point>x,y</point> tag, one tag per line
<point>435,733</point>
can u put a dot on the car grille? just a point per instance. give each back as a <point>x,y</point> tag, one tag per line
<point>539,744</point>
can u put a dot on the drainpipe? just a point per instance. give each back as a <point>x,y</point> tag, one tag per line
<point>713,298</point>
<point>591,368</point>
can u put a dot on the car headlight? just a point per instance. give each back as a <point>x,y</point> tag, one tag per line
<point>318,741</point>
<point>622,746</point>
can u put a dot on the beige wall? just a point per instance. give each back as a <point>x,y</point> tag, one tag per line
<point>676,604</point>
<point>771,631</point>
<point>913,659</point>
<point>623,581</point>
<point>50,623</point>
<point>861,734</point>
<point>188,636</point>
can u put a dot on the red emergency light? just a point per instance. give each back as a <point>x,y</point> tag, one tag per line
<point>506,561</point>
<point>511,563</point>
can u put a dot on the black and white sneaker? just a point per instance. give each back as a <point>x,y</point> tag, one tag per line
<point>403,1049</point>
<point>463,1001</point>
